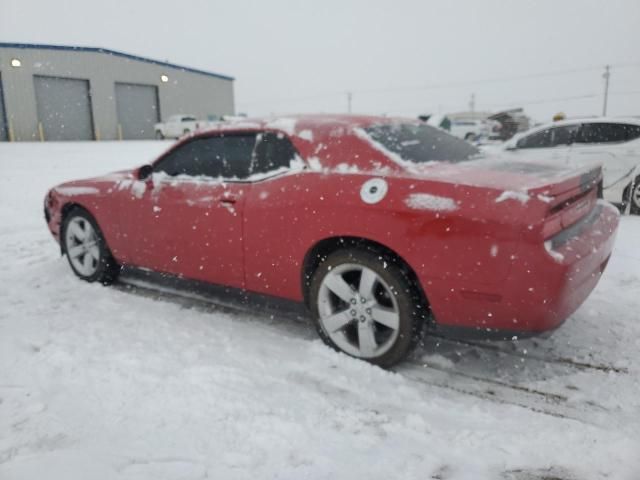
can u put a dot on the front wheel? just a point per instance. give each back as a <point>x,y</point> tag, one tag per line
<point>86,249</point>
<point>365,305</point>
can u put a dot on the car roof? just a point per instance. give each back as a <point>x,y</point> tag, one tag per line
<point>317,136</point>
<point>574,121</point>
<point>292,124</point>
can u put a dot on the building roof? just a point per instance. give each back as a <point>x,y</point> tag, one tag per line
<point>38,46</point>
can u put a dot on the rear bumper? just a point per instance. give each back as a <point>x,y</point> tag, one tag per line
<point>546,284</point>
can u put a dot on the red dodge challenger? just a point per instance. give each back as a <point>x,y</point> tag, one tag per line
<point>380,226</point>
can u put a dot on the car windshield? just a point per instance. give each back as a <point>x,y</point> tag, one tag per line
<point>421,143</point>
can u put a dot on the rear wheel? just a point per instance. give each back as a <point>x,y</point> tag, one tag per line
<point>634,197</point>
<point>86,249</point>
<point>365,305</point>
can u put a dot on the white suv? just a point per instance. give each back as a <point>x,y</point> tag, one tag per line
<point>611,142</point>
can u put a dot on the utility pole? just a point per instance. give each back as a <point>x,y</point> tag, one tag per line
<point>472,104</point>
<point>349,97</point>
<point>606,76</point>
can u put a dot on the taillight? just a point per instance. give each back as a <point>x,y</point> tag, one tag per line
<point>567,210</point>
<point>552,226</point>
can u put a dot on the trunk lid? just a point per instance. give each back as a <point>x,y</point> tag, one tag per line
<point>506,175</point>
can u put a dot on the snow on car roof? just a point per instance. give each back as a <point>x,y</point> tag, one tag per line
<point>292,124</point>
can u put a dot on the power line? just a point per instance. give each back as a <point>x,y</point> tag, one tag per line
<point>539,101</point>
<point>544,100</point>
<point>442,85</point>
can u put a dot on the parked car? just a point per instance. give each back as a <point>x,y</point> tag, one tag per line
<point>474,130</point>
<point>612,142</point>
<point>378,225</point>
<point>176,126</point>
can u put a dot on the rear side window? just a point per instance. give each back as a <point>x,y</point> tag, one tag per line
<point>223,156</point>
<point>421,143</point>
<point>607,133</point>
<point>273,151</point>
<point>536,140</point>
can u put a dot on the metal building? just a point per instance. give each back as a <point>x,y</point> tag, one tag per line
<point>52,92</point>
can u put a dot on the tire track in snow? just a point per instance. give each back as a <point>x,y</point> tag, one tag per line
<point>532,356</point>
<point>486,389</point>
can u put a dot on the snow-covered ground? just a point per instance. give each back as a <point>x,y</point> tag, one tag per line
<point>114,382</point>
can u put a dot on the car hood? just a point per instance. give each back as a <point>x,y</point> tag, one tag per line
<point>96,184</point>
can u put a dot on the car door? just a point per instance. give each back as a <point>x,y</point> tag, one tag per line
<point>272,210</point>
<point>607,144</point>
<point>188,220</point>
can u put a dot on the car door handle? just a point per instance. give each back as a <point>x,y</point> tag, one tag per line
<point>228,200</point>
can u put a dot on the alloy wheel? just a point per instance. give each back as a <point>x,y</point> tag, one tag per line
<point>81,242</point>
<point>358,310</point>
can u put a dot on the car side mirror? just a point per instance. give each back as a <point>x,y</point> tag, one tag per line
<point>145,172</point>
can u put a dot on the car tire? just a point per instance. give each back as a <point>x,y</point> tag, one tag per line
<point>470,137</point>
<point>86,249</point>
<point>634,197</point>
<point>365,304</point>
<point>186,131</point>
<point>159,135</point>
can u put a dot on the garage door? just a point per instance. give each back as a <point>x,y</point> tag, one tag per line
<point>64,108</point>
<point>138,110</point>
<point>4,135</point>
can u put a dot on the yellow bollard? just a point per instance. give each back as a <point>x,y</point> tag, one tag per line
<point>12,138</point>
<point>97,134</point>
<point>119,132</point>
<point>41,131</point>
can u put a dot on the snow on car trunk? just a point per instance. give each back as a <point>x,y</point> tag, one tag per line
<point>128,383</point>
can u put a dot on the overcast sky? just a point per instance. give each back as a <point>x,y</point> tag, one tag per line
<point>397,57</point>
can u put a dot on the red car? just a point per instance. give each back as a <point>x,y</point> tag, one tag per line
<point>380,226</point>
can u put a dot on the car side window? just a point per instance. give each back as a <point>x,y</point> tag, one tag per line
<point>633,132</point>
<point>220,156</point>
<point>564,135</point>
<point>238,152</point>
<point>602,133</point>
<point>273,151</point>
<point>536,140</point>
<point>198,157</point>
